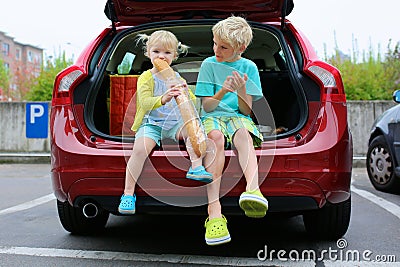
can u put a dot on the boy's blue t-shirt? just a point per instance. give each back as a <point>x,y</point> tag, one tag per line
<point>212,76</point>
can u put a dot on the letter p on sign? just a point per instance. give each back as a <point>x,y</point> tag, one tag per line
<point>37,120</point>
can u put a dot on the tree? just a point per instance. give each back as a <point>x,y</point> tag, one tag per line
<point>4,79</point>
<point>23,77</point>
<point>42,86</point>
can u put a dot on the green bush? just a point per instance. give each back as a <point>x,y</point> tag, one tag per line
<point>369,78</point>
<point>372,77</point>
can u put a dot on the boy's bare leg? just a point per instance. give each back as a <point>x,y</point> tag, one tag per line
<point>141,150</point>
<point>247,158</point>
<point>214,163</point>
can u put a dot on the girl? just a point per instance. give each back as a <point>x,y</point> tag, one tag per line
<point>156,117</point>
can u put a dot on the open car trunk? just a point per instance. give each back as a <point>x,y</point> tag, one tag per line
<point>285,105</point>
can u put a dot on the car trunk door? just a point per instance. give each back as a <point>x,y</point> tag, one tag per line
<point>134,12</point>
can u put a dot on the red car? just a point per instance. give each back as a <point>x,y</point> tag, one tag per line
<point>305,161</point>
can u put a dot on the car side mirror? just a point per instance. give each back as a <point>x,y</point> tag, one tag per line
<point>396,96</point>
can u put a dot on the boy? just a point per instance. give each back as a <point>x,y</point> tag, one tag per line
<point>227,85</point>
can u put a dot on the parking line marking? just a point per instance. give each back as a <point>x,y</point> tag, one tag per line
<point>29,204</point>
<point>383,203</point>
<point>141,257</point>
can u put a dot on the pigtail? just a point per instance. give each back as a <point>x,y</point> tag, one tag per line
<point>143,39</point>
<point>182,49</point>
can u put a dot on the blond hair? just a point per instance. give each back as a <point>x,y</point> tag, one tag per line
<point>235,31</point>
<point>165,38</point>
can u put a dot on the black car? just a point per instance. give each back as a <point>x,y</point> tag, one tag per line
<point>383,156</point>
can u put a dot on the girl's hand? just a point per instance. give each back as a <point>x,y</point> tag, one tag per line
<point>173,91</point>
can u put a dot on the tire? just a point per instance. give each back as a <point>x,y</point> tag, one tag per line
<point>73,220</point>
<point>330,222</point>
<point>380,166</point>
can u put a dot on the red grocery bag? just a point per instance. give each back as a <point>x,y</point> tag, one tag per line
<point>122,104</point>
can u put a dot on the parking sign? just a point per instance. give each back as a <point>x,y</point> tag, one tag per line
<point>37,120</point>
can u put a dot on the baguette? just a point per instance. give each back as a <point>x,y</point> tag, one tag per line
<point>189,114</point>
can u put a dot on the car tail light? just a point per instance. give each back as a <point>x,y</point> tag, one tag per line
<point>329,78</point>
<point>65,81</point>
<point>68,80</point>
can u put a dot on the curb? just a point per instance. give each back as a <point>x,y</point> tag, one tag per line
<point>17,157</point>
<point>359,161</point>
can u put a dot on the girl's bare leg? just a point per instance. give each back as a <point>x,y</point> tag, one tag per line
<point>194,159</point>
<point>141,150</point>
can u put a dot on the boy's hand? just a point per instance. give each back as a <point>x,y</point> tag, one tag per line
<point>239,82</point>
<point>227,86</point>
<point>235,83</point>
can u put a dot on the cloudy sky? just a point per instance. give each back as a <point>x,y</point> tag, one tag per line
<point>70,25</point>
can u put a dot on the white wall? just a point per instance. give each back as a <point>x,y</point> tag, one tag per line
<point>12,130</point>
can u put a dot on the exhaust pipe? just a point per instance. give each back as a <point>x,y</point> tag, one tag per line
<point>90,210</point>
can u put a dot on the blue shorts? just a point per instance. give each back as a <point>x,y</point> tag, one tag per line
<point>157,133</point>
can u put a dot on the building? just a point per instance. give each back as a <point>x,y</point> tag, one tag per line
<point>23,61</point>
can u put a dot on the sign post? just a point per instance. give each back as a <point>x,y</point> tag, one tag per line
<point>37,120</point>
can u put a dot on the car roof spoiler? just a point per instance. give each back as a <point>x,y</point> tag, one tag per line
<point>287,8</point>
<point>109,10</point>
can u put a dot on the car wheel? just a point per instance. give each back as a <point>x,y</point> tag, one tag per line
<point>330,222</point>
<point>380,166</point>
<point>74,221</point>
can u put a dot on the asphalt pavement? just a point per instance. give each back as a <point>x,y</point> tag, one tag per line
<point>32,235</point>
